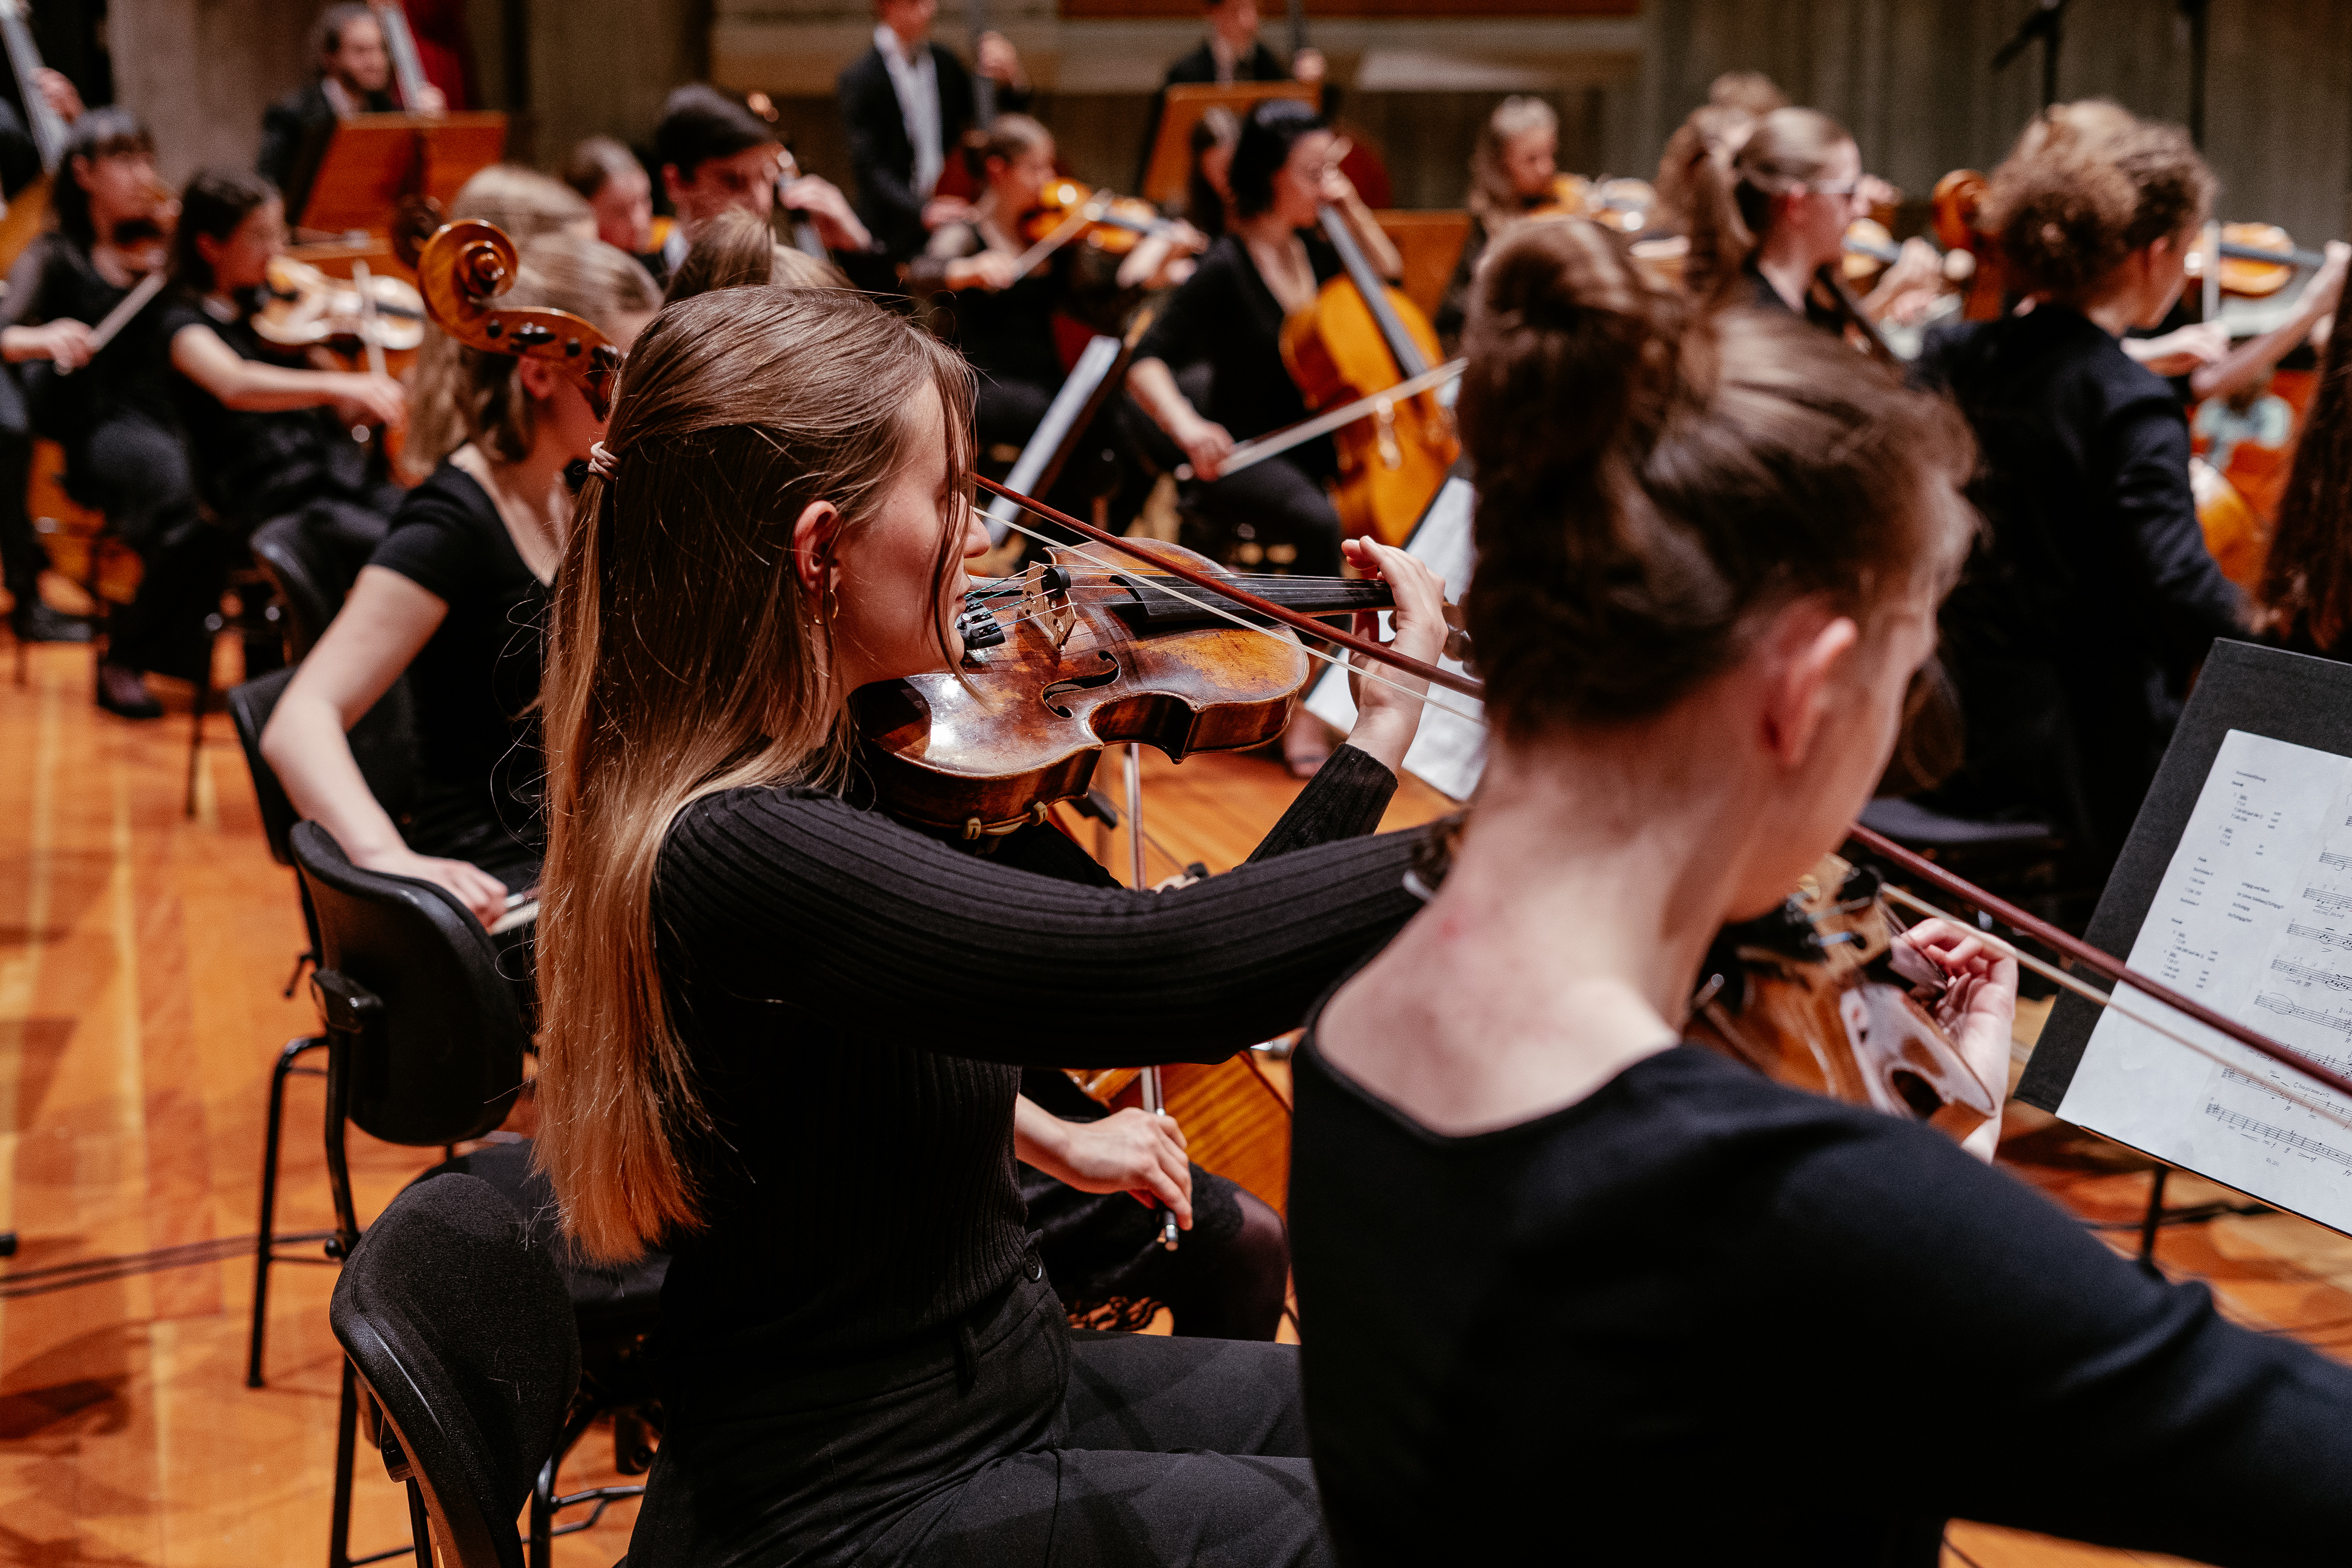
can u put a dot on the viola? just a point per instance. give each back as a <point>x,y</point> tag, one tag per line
<point>1360,338</point>
<point>1111,223</point>
<point>1075,655</point>
<point>462,271</point>
<point>303,305</point>
<point>2257,260</point>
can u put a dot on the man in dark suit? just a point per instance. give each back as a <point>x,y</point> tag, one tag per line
<point>906,103</point>
<point>354,78</point>
<point>1232,52</point>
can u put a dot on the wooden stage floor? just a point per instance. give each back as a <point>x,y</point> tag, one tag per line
<point>142,957</point>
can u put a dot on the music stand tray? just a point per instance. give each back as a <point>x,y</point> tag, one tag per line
<point>372,161</point>
<point>1171,150</point>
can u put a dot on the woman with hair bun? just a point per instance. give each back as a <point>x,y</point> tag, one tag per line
<point>2073,636</point>
<point>1576,1291</point>
<point>1770,205</point>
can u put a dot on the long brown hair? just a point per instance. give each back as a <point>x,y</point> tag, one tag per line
<point>737,250</point>
<point>2306,592</point>
<point>1652,475</point>
<point>1733,184</point>
<point>685,657</point>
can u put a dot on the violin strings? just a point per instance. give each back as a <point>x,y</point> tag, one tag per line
<point>1334,660</point>
<point>2051,972</point>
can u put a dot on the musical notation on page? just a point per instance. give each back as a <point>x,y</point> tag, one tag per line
<point>2254,918</point>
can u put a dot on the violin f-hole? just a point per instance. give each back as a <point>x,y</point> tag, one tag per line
<point>1079,683</point>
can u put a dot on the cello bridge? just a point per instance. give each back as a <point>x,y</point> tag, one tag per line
<point>1384,425</point>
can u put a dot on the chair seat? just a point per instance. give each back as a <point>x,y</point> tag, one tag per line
<point>1909,823</point>
<point>607,1301</point>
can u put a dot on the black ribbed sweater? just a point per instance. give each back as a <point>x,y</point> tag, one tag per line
<point>858,1000</point>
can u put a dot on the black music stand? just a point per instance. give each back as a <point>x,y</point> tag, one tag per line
<point>355,172</point>
<point>2047,23</point>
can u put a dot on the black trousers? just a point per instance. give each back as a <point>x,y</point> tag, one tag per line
<point>1009,1440</point>
<point>22,556</point>
<point>1280,500</point>
<point>136,470</point>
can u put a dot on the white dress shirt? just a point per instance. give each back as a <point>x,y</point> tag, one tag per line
<point>916,83</point>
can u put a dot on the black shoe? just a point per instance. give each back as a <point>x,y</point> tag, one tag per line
<point>35,621</point>
<point>123,693</point>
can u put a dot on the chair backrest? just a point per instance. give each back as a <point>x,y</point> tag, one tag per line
<point>383,743</point>
<point>463,1334</point>
<point>307,576</point>
<point>442,1060</point>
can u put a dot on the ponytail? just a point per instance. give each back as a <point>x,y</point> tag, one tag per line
<point>1734,179</point>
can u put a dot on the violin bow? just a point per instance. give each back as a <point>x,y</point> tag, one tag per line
<point>2072,947</point>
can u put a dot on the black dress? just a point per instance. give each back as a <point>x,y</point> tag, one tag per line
<point>1226,317</point>
<point>115,419</point>
<point>2071,637</point>
<point>475,683</point>
<point>861,1357</point>
<point>1701,1318</point>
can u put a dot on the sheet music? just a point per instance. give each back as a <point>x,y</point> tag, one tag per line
<point>1449,752</point>
<point>2254,918</point>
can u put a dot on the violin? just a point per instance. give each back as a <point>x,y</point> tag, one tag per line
<point>2257,260</point>
<point>463,268</point>
<point>1359,339</point>
<point>1076,654</point>
<point>1113,224</point>
<point>303,307</point>
<point>1958,200</point>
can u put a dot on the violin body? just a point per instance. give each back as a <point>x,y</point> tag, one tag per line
<point>1393,463</point>
<point>2255,279</point>
<point>1958,196</point>
<point>987,748</point>
<point>1115,226</point>
<point>304,306</point>
<point>1809,997</point>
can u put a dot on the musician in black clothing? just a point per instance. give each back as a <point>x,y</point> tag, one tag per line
<point>111,407</point>
<point>22,556</point>
<point>907,104</point>
<point>717,156</point>
<point>354,76</point>
<point>753,970</point>
<point>1232,52</point>
<point>1575,1290</point>
<point>2073,638</point>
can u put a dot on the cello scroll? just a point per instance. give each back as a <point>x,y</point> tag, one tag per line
<point>465,267</point>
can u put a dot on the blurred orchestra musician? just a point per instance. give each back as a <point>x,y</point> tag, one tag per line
<point>22,556</point>
<point>618,190</point>
<point>354,76</point>
<point>1514,169</point>
<point>906,103</point>
<point>716,156</point>
<point>1232,52</point>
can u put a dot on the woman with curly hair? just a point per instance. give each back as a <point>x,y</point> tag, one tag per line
<point>2073,636</point>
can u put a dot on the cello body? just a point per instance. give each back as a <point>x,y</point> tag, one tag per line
<point>1338,351</point>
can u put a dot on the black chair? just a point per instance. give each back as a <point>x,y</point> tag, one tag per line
<point>460,1331</point>
<point>424,1044</point>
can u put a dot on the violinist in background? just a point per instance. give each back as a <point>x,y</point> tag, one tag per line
<point>1769,210</point>
<point>718,156</point>
<point>111,408</point>
<point>354,76</point>
<point>905,104</point>
<point>454,598</point>
<point>23,558</point>
<point>783,1030</point>
<point>1577,1291</point>
<point>1513,169</point>
<point>618,191</point>
<point>269,432</point>
<point>1004,324</point>
<point>2072,637</point>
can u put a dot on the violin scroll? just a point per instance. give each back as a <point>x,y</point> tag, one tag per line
<point>466,266</point>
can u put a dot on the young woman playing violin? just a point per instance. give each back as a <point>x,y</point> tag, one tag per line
<point>1003,323</point>
<point>108,406</point>
<point>454,599</point>
<point>1770,209</point>
<point>1578,1291</point>
<point>782,1032</point>
<point>2073,636</point>
<point>1514,169</point>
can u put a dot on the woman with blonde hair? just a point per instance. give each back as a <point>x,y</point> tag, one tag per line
<point>453,599</point>
<point>1514,167</point>
<point>782,1032</point>
<point>2073,639</point>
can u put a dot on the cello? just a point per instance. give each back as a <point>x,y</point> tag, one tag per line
<point>28,210</point>
<point>1361,338</point>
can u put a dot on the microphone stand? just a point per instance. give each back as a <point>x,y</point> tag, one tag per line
<point>2046,22</point>
<point>2198,13</point>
